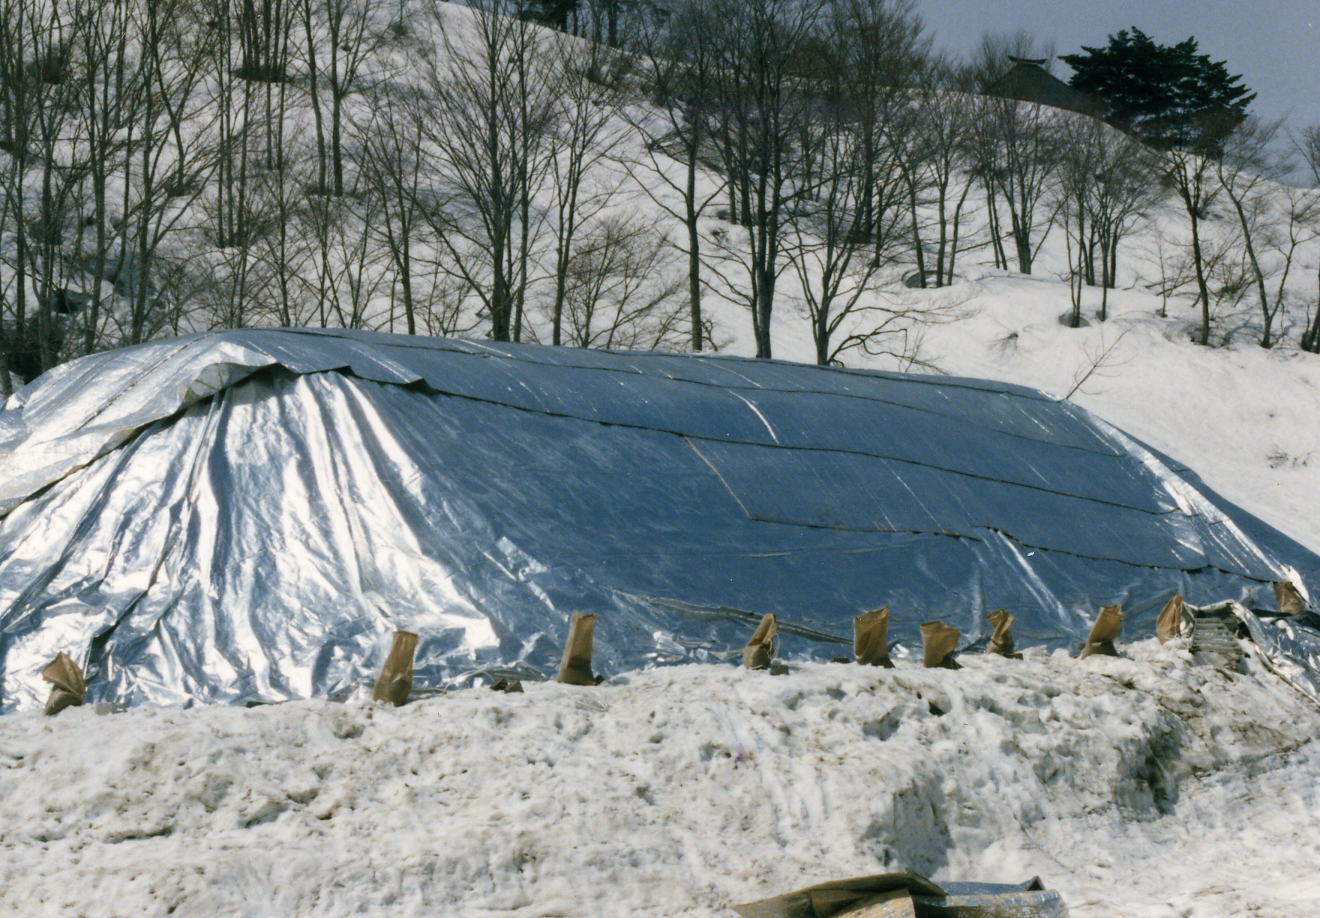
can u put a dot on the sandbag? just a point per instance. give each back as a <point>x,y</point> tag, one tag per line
<point>395,680</point>
<point>869,634</point>
<point>69,687</point>
<point>760,649</point>
<point>1001,635</point>
<point>938,641</point>
<point>1286,598</point>
<point>575,667</point>
<point>1168,624</point>
<point>1104,632</point>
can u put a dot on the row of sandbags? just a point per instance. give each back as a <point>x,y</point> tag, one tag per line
<point>938,644</point>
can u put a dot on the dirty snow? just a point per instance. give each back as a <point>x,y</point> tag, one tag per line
<point>1139,787</point>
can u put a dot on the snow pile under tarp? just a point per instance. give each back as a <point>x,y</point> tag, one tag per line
<point>1145,788</point>
<point>246,515</point>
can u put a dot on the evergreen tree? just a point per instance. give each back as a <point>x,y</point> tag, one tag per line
<point>1169,96</point>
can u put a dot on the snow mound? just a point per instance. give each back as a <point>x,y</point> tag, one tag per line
<point>247,515</point>
<point>1137,787</point>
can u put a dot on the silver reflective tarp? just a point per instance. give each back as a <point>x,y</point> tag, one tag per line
<point>248,515</point>
<point>1290,646</point>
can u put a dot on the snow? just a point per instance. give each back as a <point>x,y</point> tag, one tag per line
<point>1140,787</point>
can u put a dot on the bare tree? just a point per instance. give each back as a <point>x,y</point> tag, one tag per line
<point>281,253</point>
<point>851,222</point>
<point>678,61</point>
<point>944,112</point>
<point>1174,271</point>
<point>392,164</point>
<point>46,221</point>
<point>1247,172</point>
<point>263,28</point>
<point>1308,145</point>
<point>1104,182</point>
<point>1190,176</point>
<point>97,127</point>
<point>165,177</point>
<point>339,38</point>
<point>1019,148</point>
<point>760,103</point>
<point>105,99</point>
<point>585,130</point>
<point>622,290</point>
<point>347,273</point>
<point>1126,186</point>
<point>1004,151</point>
<point>33,110</point>
<point>489,128</point>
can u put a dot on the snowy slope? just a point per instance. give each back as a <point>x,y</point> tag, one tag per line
<point>1140,787</point>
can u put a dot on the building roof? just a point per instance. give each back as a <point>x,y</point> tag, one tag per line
<point>1029,81</point>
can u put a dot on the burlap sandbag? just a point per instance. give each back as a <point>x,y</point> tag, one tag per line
<point>869,633</point>
<point>575,667</point>
<point>69,687</point>
<point>938,641</point>
<point>395,681</point>
<point>1168,624</point>
<point>1286,598</point>
<point>1001,635</point>
<point>1104,632</point>
<point>760,649</point>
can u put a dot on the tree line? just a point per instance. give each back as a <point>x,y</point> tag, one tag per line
<point>179,165</point>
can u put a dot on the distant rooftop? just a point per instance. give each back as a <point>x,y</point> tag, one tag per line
<point>1029,81</point>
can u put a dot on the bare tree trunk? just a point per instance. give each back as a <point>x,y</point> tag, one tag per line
<point>1198,262</point>
<point>691,213</point>
<point>1311,337</point>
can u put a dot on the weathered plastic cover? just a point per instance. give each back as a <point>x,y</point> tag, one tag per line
<point>247,515</point>
<point>1290,646</point>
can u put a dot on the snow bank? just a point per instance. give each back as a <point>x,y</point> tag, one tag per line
<point>1138,787</point>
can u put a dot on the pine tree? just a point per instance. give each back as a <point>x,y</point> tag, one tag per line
<point>1176,100</point>
<point>1169,96</point>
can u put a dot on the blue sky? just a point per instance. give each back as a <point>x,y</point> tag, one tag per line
<point>1274,44</point>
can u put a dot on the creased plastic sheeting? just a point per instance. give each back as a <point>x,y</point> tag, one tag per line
<point>247,515</point>
<point>1291,647</point>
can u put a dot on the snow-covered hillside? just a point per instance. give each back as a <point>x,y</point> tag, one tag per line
<point>1143,787</point>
